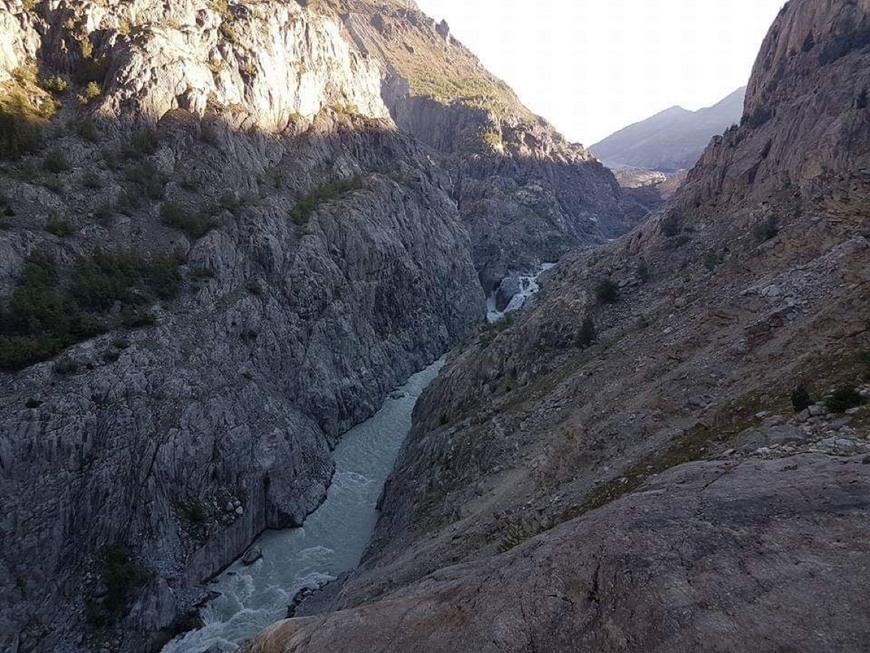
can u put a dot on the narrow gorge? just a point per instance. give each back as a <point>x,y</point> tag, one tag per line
<point>246,248</point>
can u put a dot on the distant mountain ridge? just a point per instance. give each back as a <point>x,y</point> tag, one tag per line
<point>671,140</point>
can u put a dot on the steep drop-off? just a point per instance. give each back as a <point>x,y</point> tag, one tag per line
<point>268,257</point>
<point>669,451</point>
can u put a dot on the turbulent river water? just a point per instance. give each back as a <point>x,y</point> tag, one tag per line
<point>528,287</point>
<point>331,541</point>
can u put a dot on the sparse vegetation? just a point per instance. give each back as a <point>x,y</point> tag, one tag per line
<point>194,225</point>
<point>672,225</point>
<point>55,162</point>
<point>20,125</point>
<point>144,143</point>
<point>607,292</point>
<point>306,206</point>
<point>122,575</point>
<point>844,398</point>
<point>90,92</point>
<point>643,272</point>
<point>49,311</point>
<point>57,226</point>
<point>712,260</point>
<point>55,84</point>
<point>86,129</point>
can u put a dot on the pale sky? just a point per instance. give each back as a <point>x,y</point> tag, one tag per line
<point>592,67</point>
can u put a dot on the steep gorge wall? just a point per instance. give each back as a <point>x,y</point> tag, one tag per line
<point>184,440</point>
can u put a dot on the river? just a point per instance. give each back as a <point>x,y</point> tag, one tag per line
<point>330,542</point>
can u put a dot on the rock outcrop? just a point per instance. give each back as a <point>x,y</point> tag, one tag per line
<point>719,350</point>
<point>710,556</point>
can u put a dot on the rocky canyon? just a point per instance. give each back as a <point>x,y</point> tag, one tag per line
<point>229,231</point>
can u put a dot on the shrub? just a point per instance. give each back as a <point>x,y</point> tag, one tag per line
<point>587,334</point>
<point>607,292</point>
<point>193,512</point>
<point>864,361</point>
<point>143,143</point>
<point>20,131</point>
<point>122,575</point>
<point>32,403</point>
<point>712,260</point>
<point>55,162</point>
<point>148,178</point>
<point>801,398</point>
<point>844,398</point>
<point>766,230</point>
<point>56,84</point>
<point>92,181</point>
<point>66,367</point>
<point>86,129</point>
<point>57,226</point>
<point>195,225</point>
<point>306,206</point>
<point>91,91</point>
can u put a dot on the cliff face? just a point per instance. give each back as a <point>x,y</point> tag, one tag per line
<point>560,482</point>
<point>805,115</point>
<point>235,254</point>
<point>525,194</point>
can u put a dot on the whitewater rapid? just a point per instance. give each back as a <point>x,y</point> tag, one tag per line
<point>529,287</point>
<point>331,541</point>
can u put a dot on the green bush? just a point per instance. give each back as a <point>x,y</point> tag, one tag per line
<point>801,398</point>
<point>844,398</point>
<point>766,230</point>
<point>607,292</point>
<point>195,225</point>
<point>86,129</point>
<point>306,206</point>
<point>56,84</point>
<point>143,143</point>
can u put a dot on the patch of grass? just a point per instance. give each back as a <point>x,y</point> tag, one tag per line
<point>306,206</point>
<point>194,224</point>
<point>607,292</point>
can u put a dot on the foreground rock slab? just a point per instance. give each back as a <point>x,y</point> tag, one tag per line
<point>701,558</point>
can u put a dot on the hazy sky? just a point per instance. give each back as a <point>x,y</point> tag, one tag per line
<point>594,66</point>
